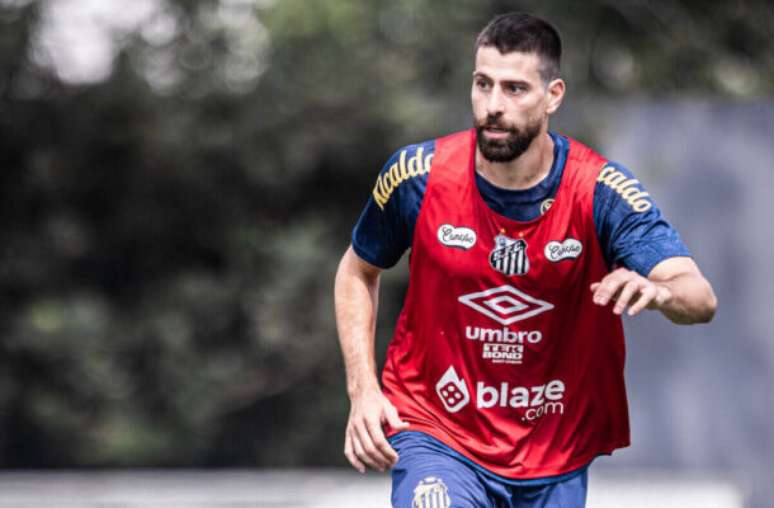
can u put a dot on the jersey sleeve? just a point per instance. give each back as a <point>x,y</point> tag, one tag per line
<point>632,231</point>
<point>385,228</point>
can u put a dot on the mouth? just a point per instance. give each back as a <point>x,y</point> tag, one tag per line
<point>496,132</point>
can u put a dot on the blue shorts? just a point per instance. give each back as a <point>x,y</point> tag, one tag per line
<point>431,475</point>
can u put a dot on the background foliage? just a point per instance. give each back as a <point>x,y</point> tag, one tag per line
<point>169,232</point>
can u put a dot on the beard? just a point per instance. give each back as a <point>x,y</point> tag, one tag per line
<point>510,148</point>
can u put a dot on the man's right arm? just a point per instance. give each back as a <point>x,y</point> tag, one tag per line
<point>356,299</point>
<point>381,236</point>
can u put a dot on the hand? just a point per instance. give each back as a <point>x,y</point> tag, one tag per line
<point>626,287</point>
<point>364,441</point>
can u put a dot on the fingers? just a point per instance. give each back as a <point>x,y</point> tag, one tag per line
<point>605,290</point>
<point>365,442</point>
<point>626,288</point>
<point>349,452</point>
<point>646,296</point>
<point>371,446</point>
<point>385,452</point>
<point>364,451</point>
<point>627,292</point>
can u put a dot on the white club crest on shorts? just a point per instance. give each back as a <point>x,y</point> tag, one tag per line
<point>509,255</point>
<point>431,493</point>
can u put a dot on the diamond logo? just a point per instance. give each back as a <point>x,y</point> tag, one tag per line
<point>505,304</point>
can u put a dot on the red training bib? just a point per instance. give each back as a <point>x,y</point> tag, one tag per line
<point>499,351</point>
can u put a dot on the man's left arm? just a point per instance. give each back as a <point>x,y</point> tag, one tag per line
<point>657,271</point>
<point>675,286</point>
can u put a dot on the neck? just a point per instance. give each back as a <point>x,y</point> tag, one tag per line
<point>525,171</point>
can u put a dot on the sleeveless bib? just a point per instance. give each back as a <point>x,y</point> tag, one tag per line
<point>499,351</point>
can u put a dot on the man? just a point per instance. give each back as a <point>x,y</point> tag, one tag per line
<point>504,379</point>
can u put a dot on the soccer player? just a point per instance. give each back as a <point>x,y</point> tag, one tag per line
<point>504,379</point>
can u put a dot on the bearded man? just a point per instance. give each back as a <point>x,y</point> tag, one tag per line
<point>504,378</point>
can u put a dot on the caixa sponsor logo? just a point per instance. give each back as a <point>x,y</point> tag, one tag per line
<point>458,237</point>
<point>568,249</point>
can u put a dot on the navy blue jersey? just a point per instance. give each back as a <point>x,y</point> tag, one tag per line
<point>631,229</point>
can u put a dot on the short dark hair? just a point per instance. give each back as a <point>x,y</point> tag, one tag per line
<point>516,31</point>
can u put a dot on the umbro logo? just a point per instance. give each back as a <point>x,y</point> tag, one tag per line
<point>505,304</point>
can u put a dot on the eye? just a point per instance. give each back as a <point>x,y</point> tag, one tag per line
<point>482,84</point>
<point>515,88</point>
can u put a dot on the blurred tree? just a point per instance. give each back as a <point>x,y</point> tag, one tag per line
<point>170,233</point>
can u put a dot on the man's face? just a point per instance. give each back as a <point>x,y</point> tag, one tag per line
<point>511,103</point>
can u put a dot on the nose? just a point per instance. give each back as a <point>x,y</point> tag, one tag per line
<point>495,105</point>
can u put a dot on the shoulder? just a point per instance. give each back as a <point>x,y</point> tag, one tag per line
<point>583,156</point>
<point>409,163</point>
<point>617,181</point>
<point>385,228</point>
<point>632,230</point>
<point>424,148</point>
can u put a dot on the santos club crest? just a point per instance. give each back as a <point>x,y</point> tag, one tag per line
<point>509,256</point>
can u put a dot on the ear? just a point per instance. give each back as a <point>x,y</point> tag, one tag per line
<point>554,95</point>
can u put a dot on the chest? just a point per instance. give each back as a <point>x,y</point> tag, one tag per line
<point>458,238</point>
